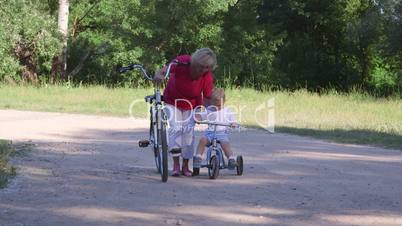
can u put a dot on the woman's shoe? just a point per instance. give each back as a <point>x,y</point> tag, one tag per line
<point>186,172</point>
<point>176,170</point>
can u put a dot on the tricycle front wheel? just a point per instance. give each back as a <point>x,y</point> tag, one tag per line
<point>213,169</point>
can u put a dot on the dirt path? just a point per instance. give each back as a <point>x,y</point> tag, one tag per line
<point>88,170</point>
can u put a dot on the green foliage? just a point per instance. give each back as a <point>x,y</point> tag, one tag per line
<point>247,50</point>
<point>6,171</point>
<point>269,44</point>
<point>28,39</point>
<point>330,43</point>
<point>120,32</point>
<point>105,34</point>
<point>9,66</point>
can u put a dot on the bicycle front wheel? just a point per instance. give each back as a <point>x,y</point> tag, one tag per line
<point>164,147</point>
<point>155,144</point>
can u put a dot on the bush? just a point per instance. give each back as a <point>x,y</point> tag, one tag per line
<point>28,42</point>
<point>6,171</point>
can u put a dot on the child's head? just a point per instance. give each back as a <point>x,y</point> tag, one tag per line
<point>218,97</point>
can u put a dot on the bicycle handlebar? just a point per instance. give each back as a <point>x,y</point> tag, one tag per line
<point>144,72</point>
<point>135,66</point>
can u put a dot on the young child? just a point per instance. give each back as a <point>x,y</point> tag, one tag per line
<point>216,112</point>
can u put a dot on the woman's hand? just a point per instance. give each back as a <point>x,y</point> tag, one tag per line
<point>197,117</point>
<point>234,125</point>
<point>159,76</point>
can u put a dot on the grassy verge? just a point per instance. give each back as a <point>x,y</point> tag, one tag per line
<point>6,171</point>
<point>353,118</point>
<point>86,100</point>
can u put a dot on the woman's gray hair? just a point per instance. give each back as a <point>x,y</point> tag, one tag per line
<point>205,56</point>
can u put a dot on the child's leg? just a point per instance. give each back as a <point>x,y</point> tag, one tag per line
<point>201,146</point>
<point>229,154</point>
<point>197,160</point>
<point>227,149</point>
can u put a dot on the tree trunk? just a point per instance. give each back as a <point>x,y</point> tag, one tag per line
<point>63,28</point>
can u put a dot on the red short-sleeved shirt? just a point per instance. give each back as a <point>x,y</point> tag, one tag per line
<point>188,93</point>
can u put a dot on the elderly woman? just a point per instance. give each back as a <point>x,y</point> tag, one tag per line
<point>191,82</point>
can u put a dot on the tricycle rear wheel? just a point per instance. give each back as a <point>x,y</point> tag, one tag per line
<point>239,167</point>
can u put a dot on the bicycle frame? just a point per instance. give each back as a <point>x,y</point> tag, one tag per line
<point>157,132</point>
<point>156,106</point>
<point>214,149</point>
<point>215,154</point>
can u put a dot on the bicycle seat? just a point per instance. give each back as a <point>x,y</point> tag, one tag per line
<point>150,98</point>
<point>210,143</point>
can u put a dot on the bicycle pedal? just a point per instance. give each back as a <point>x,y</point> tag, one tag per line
<point>143,143</point>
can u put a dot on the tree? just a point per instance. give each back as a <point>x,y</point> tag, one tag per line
<point>60,62</point>
<point>248,48</point>
<point>313,51</point>
<point>151,32</point>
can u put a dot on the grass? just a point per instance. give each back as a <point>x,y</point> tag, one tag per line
<point>353,118</point>
<point>349,118</point>
<point>6,171</point>
<point>86,100</point>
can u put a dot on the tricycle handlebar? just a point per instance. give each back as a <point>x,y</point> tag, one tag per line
<point>217,123</point>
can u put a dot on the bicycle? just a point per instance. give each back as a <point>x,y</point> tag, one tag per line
<point>158,122</point>
<point>215,157</point>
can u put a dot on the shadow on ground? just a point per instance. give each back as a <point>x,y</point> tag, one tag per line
<point>101,177</point>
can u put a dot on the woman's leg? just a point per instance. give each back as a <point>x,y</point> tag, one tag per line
<point>174,135</point>
<point>187,141</point>
<point>176,166</point>
<point>185,164</point>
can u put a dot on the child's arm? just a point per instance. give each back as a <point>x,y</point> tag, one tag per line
<point>197,117</point>
<point>200,114</point>
<point>231,118</point>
